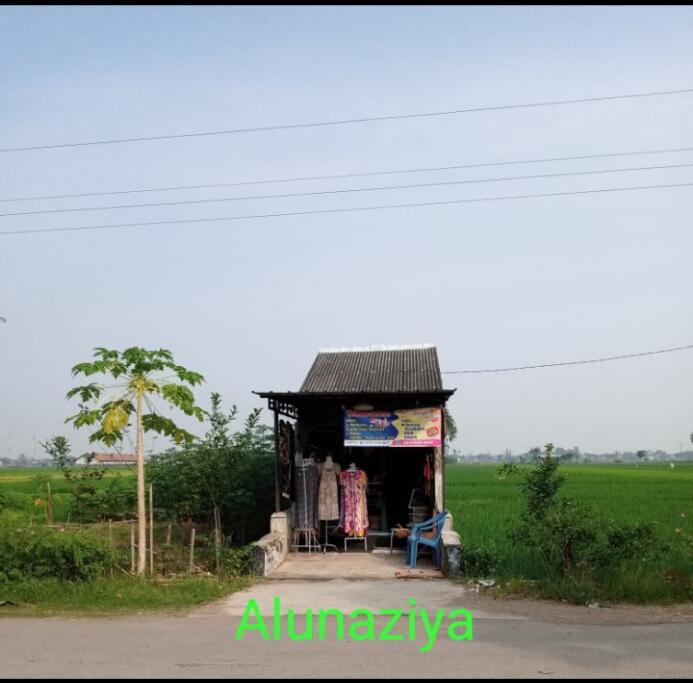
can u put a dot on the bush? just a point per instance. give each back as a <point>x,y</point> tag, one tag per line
<point>477,561</point>
<point>226,477</point>
<point>37,552</point>
<point>571,538</point>
<point>116,500</point>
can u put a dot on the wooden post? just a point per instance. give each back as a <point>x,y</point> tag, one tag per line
<point>192,550</point>
<point>151,530</point>
<point>168,534</point>
<point>217,524</point>
<point>110,533</point>
<point>49,507</point>
<point>132,547</point>
<point>277,484</point>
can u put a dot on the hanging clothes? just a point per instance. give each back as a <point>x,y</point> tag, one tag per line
<point>354,510</point>
<point>307,494</point>
<point>286,456</point>
<point>328,494</point>
<point>428,475</point>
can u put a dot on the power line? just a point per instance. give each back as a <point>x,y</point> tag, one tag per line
<point>340,210</point>
<point>572,362</point>
<point>342,122</point>
<point>340,176</point>
<point>315,193</point>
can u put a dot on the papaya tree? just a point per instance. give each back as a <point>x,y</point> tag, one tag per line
<point>139,375</point>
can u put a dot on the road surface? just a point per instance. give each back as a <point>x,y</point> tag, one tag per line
<point>510,638</point>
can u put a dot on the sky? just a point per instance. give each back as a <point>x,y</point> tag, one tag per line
<point>249,302</point>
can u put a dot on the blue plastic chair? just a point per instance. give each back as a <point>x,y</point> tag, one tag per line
<point>416,539</point>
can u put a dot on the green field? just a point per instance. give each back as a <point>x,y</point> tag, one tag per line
<point>26,485</point>
<point>484,508</point>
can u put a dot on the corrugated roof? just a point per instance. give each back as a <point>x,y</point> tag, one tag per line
<point>383,369</point>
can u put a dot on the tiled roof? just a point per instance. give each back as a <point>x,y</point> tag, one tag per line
<point>375,369</point>
<point>113,457</point>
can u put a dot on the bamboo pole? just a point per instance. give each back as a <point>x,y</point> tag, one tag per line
<point>151,530</point>
<point>192,550</point>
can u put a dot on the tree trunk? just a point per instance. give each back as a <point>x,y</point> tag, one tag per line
<point>141,512</point>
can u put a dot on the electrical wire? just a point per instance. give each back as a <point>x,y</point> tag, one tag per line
<point>314,212</point>
<point>339,176</point>
<point>316,193</point>
<point>572,362</point>
<point>365,119</point>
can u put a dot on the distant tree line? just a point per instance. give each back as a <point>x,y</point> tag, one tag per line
<point>573,455</point>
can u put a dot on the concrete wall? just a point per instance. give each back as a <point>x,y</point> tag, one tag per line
<point>452,551</point>
<point>271,550</point>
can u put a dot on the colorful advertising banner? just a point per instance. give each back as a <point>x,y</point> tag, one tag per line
<point>414,427</point>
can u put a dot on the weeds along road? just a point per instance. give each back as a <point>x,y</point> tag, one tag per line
<point>511,639</point>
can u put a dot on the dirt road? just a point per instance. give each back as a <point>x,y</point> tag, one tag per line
<point>511,639</point>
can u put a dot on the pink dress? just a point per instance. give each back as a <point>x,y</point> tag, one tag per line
<point>354,510</point>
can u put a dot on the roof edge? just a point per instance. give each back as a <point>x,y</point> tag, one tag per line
<point>325,394</point>
<point>378,347</point>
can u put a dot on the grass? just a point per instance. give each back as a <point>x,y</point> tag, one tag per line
<point>112,597</point>
<point>484,508</point>
<point>120,595</point>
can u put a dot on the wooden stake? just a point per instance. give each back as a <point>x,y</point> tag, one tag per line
<point>110,533</point>
<point>168,534</point>
<point>151,530</point>
<point>192,550</point>
<point>217,524</point>
<point>49,508</point>
<point>132,547</point>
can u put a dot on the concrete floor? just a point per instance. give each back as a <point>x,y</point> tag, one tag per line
<point>354,564</point>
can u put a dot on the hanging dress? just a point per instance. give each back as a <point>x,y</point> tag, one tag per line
<point>354,510</point>
<point>306,494</point>
<point>328,493</point>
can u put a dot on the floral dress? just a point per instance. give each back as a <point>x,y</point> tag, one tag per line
<point>328,494</point>
<point>354,512</point>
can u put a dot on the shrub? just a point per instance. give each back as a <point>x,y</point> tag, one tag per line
<point>571,538</point>
<point>37,552</point>
<point>477,561</point>
<point>234,562</point>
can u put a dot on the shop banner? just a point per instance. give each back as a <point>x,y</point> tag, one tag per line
<point>415,427</point>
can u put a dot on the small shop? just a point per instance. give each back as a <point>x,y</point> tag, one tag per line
<point>360,448</point>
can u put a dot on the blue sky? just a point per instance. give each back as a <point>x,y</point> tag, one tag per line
<point>249,303</point>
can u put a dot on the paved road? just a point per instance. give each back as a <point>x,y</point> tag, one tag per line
<point>511,639</point>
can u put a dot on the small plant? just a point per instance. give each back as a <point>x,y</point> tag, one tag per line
<point>477,561</point>
<point>83,479</point>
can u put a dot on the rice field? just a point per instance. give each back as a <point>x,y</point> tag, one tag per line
<point>25,485</point>
<point>484,506</point>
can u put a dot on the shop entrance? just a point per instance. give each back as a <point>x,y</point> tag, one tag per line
<point>363,438</point>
